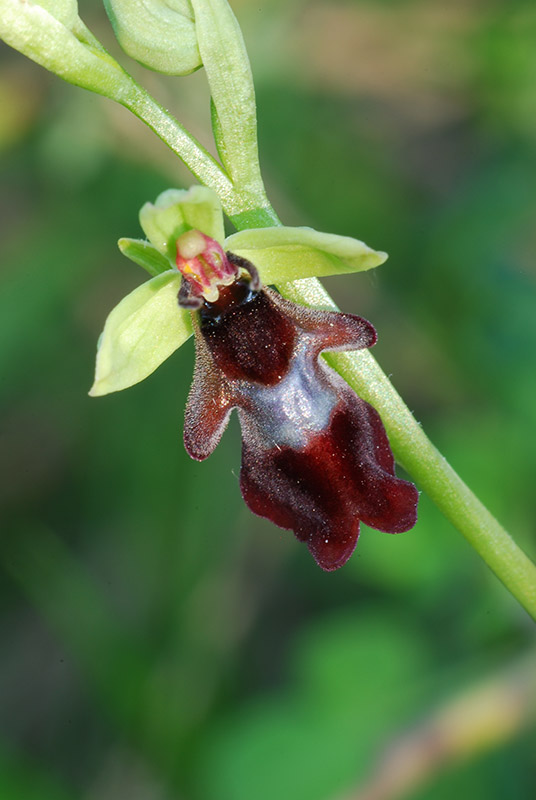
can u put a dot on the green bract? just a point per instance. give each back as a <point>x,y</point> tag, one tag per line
<point>148,326</point>
<point>52,34</point>
<point>234,118</point>
<point>160,34</point>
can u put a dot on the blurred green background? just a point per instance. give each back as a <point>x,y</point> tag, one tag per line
<point>157,640</point>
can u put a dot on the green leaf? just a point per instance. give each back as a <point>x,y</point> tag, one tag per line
<point>52,34</point>
<point>145,255</point>
<point>288,254</point>
<point>160,34</point>
<point>178,210</point>
<point>140,333</point>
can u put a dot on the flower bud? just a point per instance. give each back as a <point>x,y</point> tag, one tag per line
<point>160,34</point>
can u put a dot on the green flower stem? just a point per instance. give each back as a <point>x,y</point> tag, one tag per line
<point>414,451</point>
<point>243,208</point>
<point>198,160</point>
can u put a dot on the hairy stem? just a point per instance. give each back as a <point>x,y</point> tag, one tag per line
<point>198,160</point>
<point>238,203</point>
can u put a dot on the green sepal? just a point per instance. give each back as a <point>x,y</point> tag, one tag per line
<point>287,254</point>
<point>145,255</point>
<point>178,210</point>
<point>160,34</point>
<point>144,329</point>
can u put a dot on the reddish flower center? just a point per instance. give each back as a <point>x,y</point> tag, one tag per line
<point>204,264</point>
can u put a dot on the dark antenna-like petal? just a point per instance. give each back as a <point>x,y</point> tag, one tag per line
<point>209,405</point>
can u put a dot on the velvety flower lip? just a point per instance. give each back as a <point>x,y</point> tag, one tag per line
<point>315,456</point>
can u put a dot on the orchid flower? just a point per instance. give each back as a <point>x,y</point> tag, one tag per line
<point>315,456</point>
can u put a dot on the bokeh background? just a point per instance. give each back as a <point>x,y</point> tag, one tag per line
<point>158,642</point>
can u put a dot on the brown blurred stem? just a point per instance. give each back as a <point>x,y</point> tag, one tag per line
<point>468,724</point>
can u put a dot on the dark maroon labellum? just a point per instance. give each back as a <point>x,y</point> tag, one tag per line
<point>265,355</point>
<point>315,456</point>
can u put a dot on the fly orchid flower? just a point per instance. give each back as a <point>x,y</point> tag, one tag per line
<point>315,456</point>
